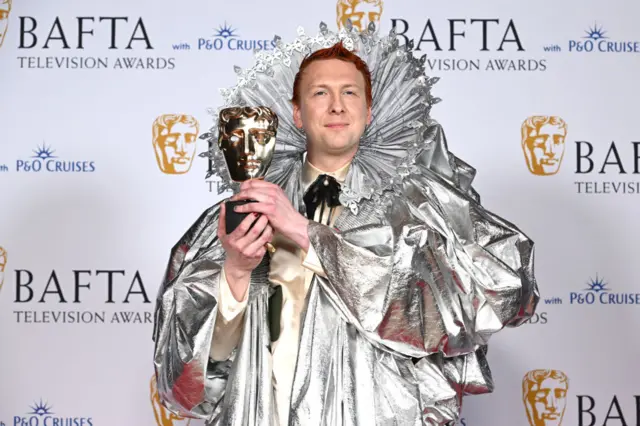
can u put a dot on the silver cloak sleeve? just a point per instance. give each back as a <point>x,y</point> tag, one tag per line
<point>436,275</point>
<point>186,308</point>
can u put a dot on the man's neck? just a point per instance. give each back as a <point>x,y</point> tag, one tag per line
<point>329,163</point>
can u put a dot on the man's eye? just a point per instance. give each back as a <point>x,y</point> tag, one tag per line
<point>320,92</point>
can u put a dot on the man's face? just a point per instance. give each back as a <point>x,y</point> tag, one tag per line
<point>361,13</point>
<point>544,149</point>
<point>248,147</point>
<point>546,402</point>
<point>177,146</point>
<point>5,8</point>
<point>333,107</point>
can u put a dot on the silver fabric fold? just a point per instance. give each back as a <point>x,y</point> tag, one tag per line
<point>417,283</point>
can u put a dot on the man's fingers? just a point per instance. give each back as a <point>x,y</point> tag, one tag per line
<point>263,208</point>
<point>257,183</point>
<point>252,194</point>
<point>222,232</point>
<point>242,229</point>
<point>256,248</point>
<point>253,233</point>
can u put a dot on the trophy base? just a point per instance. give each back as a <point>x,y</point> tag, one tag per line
<point>233,218</point>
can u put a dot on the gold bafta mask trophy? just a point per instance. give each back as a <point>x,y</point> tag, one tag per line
<point>247,138</point>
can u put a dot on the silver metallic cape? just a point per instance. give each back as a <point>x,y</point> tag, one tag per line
<point>419,274</point>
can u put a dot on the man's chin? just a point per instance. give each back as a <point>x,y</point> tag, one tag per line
<point>341,146</point>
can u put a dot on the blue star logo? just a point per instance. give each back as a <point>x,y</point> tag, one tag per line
<point>43,152</point>
<point>41,408</point>
<point>597,285</point>
<point>595,33</point>
<point>225,31</point>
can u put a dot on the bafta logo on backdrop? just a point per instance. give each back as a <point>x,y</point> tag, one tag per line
<point>163,416</point>
<point>361,12</point>
<point>544,393</point>
<point>543,143</point>
<point>174,142</point>
<point>5,9</point>
<point>3,264</point>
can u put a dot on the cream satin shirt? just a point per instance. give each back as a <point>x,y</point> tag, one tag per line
<point>293,269</point>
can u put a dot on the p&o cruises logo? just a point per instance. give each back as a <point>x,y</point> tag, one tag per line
<point>43,414</point>
<point>226,37</point>
<point>45,160</point>
<point>597,292</point>
<point>596,39</point>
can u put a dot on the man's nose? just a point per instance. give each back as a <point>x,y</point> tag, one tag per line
<point>337,105</point>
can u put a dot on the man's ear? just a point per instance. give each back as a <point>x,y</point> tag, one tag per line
<point>368,116</point>
<point>297,116</point>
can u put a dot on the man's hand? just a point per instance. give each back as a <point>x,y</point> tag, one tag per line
<point>274,204</point>
<point>245,249</point>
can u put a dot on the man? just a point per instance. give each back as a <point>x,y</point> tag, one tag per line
<point>385,316</point>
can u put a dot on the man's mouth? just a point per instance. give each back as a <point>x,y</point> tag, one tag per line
<point>181,160</point>
<point>336,125</point>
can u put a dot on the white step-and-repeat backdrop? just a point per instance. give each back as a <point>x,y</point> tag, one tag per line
<point>542,98</point>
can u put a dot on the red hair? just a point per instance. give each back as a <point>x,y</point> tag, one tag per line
<point>337,51</point>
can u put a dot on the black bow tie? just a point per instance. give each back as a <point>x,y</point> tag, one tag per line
<point>324,191</point>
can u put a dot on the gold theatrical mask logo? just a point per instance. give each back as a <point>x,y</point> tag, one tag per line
<point>163,416</point>
<point>361,12</point>
<point>5,9</point>
<point>3,264</point>
<point>247,138</point>
<point>543,143</point>
<point>544,393</point>
<point>174,142</point>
